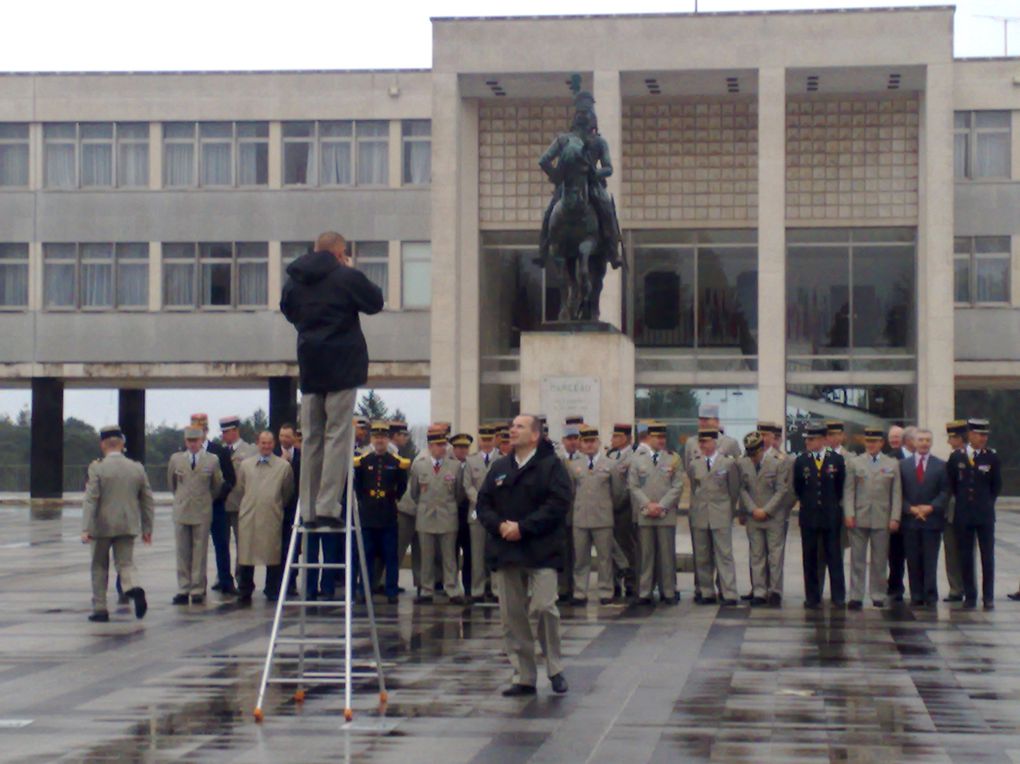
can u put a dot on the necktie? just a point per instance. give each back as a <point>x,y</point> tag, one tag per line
<point>920,469</point>
<point>708,464</point>
<point>192,461</point>
<point>655,458</point>
<point>591,462</point>
<point>263,460</point>
<point>486,458</point>
<point>435,467</point>
<point>757,468</point>
<point>818,462</point>
<point>874,459</point>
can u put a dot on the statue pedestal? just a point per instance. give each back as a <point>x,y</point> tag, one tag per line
<point>585,369</point>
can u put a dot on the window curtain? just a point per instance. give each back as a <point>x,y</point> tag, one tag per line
<point>418,162</point>
<point>336,163</point>
<point>216,161</point>
<point>179,164</point>
<point>97,165</point>
<point>179,284</point>
<point>373,163</point>
<point>253,284</point>
<point>13,284</point>
<point>133,165</point>
<point>97,285</point>
<point>253,164</point>
<point>991,155</point>
<point>14,165</point>
<point>132,284</point>
<point>378,273</point>
<point>58,285</point>
<point>59,161</point>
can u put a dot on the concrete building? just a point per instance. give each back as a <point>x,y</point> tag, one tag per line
<point>819,208</point>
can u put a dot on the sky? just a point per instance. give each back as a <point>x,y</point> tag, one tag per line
<point>115,35</point>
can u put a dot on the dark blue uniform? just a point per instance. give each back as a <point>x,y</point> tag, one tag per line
<point>380,481</point>
<point>820,492</point>
<point>975,482</point>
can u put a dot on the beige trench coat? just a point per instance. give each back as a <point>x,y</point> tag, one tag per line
<point>264,490</point>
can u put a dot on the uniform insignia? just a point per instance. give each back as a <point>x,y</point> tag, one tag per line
<point>500,479</point>
<point>984,468</point>
<point>449,478</point>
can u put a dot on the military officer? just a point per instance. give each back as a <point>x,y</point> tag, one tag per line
<point>503,442</point>
<point>195,479</point>
<point>956,437</point>
<point>708,419</point>
<point>117,507</point>
<point>655,480</point>
<point>401,438</point>
<point>975,480</point>
<point>475,469</point>
<point>435,487</point>
<point>818,478</point>
<point>568,453</point>
<point>763,499</point>
<point>835,437</point>
<point>872,507</point>
<point>621,450</point>
<point>570,442</point>
<point>238,450</point>
<point>361,437</point>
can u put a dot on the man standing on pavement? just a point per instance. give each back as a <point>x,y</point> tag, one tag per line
<point>897,553</point>
<point>523,505</point>
<point>219,529</point>
<point>237,451</point>
<point>475,470</point>
<point>288,449</point>
<point>624,531</point>
<point>925,497</point>
<point>763,497</point>
<point>956,438</point>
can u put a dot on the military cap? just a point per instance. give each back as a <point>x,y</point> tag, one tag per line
<point>642,428</point>
<point>815,430</point>
<point>571,431</point>
<point>979,425</point>
<point>193,433</point>
<point>360,421</point>
<point>199,418</point>
<point>874,433</point>
<point>708,411</point>
<point>588,432</point>
<point>504,436</point>
<point>381,428</point>
<point>486,431</point>
<point>707,433</point>
<point>574,419</point>
<point>398,426</point>
<point>752,441</point>
<point>436,436</point>
<point>656,428</point>
<point>767,426</point>
<point>231,422</point>
<point>622,428</point>
<point>956,427</point>
<point>111,431</point>
<point>834,425</point>
<point>461,439</point>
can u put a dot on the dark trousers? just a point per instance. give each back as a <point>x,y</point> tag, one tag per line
<point>828,539</point>
<point>985,537</point>
<point>566,576</point>
<point>922,553</point>
<point>220,532</point>
<point>464,547</point>
<point>246,580</point>
<point>380,547</point>
<point>897,562</point>
<point>327,547</point>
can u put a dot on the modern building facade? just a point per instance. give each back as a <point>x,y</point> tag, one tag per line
<point>819,210</point>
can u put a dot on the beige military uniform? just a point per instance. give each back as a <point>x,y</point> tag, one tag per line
<point>715,495</point>
<point>476,467</point>
<point>565,577</point>
<point>238,453</point>
<point>193,488</point>
<point>656,477</point>
<point>725,445</point>
<point>117,507</point>
<point>872,496</point>
<point>765,487</point>
<point>598,487</point>
<point>407,535</point>
<point>436,495</point>
<point>954,574</point>
<point>264,489</point>
<point>624,532</point>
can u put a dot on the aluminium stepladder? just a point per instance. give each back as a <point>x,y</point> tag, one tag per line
<point>313,650</point>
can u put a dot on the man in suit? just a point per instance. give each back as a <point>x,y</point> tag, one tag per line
<point>475,469</point>
<point>975,480</point>
<point>236,451</point>
<point>897,553</point>
<point>872,503</point>
<point>195,479</point>
<point>925,496</point>
<point>763,499</point>
<point>220,526</point>
<point>818,478</point>
<point>288,450</point>
<point>956,438</point>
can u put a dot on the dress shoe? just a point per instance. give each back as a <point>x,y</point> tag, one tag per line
<point>758,601</point>
<point>959,597</point>
<point>564,599</point>
<point>100,616</point>
<point>457,600</point>
<point>668,601</point>
<point>1015,596</point>
<point>123,599</point>
<point>812,605</point>
<point>578,602</point>
<point>393,600</point>
<point>217,587</point>
<point>606,601</point>
<point>401,590</point>
<point>491,598</point>
<point>228,589</point>
<point>728,603</point>
<point>423,600</point>
<point>138,595</point>
<point>839,604</point>
<point>198,599</point>
<point>878,603</point>
<point>897,597</point>
<point>179,599</point>
<point>707,601</point>
<point>644,601</point>
<point>519,690</point>
<point>989,605</point>
<point>244,600</point>
<point>747,597</point>
<point>559,683</point>
<point>969,604</point>
<point>775,599</point>
<point>854,605</point>
<point>916,603</point>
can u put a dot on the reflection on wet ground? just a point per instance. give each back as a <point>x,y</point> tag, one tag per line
<point>679,684</point>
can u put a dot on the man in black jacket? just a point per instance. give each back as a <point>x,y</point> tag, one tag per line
<point>322,298</point>
<point>219,529</point>
<point>523,505</point>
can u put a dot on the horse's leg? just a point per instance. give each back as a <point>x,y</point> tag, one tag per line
<point>585,260</point>
<point>567,300</point>
<point>597,271</point>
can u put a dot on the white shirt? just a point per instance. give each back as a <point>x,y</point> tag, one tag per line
<point>521,462</point>
<point>907,453</point>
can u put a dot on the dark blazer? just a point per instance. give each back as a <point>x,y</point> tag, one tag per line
<point>380,482</point>
<point>222,453</point>
<point>323,299</point>
<point>538,497</point>
<point>975,487</point>
<point>295,466</point>
<point>820,495</point>
<point>934,490</point>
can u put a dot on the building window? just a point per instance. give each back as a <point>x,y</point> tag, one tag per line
<point>291,251</point>
<point>96,155</point>
<point>13,154</point>
<point>13,276</point>
<point>981,144</point>
<point>417,137</point>
<point>323,153</point>
<point>372,258</point>
<point>416,274</point>
<point>96,276</point>
<point>218,154</point>
<point>214,276</point>
<point>981,266</point>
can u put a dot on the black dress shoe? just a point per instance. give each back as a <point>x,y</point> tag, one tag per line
<point>747,597</point>
<point>812,605</point>
<point>969,604</point>
<point>878,603</point>
<point>758,601</point>
<point>217,587</point>
<point>838,604</point>
<point>916,603</point>
<point>123,599</point>
<point>423,600</point>
<point>644,601</point>
<point>198,599</point>
<point>519,690</point>
<point>228,589</point>
<point>606,601</point>
<point>1015,596</point>
<point>244,600</point>
<point>775,600</point>
<point>138,595</point>
<point>393,600</point>
<point>578,602</point>
<point>457,600</point>
<point>559,683</point>
<point>897,597</point>
<point>728,603</point>
<point>179,599</point>
<point>564,599</point>
<point>989,605</point>
<point>707,601</point>
<point>100,616</point>
<point>854,605</point>
<point>959,597</point>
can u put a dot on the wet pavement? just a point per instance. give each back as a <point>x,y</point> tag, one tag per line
<point>671,684</point>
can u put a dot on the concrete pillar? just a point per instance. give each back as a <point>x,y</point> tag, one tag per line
<point>609,107</point>
<point>46,471</point>
<point>469,364</point>
<point>935,353</point>
<point>282,402</point>
<point>772,243</point>
<point>131,417</point>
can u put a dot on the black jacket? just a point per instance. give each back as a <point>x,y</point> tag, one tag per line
<point>537,496</point>
<point>974,486</point>
<point>934,490</point>
<point>222,453</point>
<point>820,495</point>
<point>295,466</point>
<point>379,481</point>
<point>323,299</point>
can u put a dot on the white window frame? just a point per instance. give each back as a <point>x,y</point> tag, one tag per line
<point>27,143</point>
<point>404,259</point>
<point>79,142</point>
<point>405,140</point>
<point>235,140</point>
<point>79,260</point>
<point>196,259</point>
<point>973,134</point>
<point>972,256</point>
<point>316,141</point>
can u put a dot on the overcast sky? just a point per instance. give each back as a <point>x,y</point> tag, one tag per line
<point>66,35</point>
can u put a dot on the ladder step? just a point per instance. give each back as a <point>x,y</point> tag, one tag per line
<point>303,529</point>
<point>320,565</point>
<point>309,640</point>
<point>312,677</point>
<point>314,603</point>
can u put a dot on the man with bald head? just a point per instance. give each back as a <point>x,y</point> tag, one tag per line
<point>901,445</point>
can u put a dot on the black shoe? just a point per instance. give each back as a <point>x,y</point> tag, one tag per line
<point>812,605</point>
<point>244,600</point>
<point>578,602</point>
<point>854,605</point>
<point>179,599</point>
<point>423,600</point>
<point>878,603</point>
<point>775,599</point>
<point>644,601</point>
<point>217,587</point>
<point>959,597</point>
<point>564,599</point>
<point>969,604</point>
<point>606,601</point>
<point>393,600</point>
<point>916,603</point>
<point>728,603</point>
<point>559,683</point>
<point>123,599</point>
<point>229,589</point>
<point>490,597</point>
<point>401,590</point>
<point>838,604</point>
<point>138,595</point>
<point>758,601</point>
<point>457,600</point>
<point>100,616</point>
<point>707,601</point>
<point>989,605</point>
<point>1015,596</point>
<point>697,598</point>
<point>518,690</point>
<point>747,597</point>
<point>198,599</point>
<point>897,597</point>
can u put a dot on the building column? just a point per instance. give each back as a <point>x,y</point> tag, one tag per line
<point>46,470</point>
<point>609,107</point>
<point>131,417</point>
<point>936,384</point>
<point>772,244</point>
<point>469,363</point>
<point>282,402</point>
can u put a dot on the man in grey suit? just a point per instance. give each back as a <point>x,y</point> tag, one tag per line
<point>195,478</point>
<point>764,494</point>
<point>117,507</point>
<point>925,498</point>
<point>872,502</point>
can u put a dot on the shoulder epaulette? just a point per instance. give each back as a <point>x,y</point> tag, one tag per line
<point>357,460</point>
<point>405,464</point>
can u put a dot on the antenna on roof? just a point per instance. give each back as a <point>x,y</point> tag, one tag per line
<point>1005,28</point>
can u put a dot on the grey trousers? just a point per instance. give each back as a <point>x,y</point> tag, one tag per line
<point>953,571</point>
<point>192,556</point>
<point>657,554</point>
<point>768,553</point>
<point>408,536</point>
<point>123,560</point>
<point>602,540</point>
<point>447,544</point>
<point>517,610</point>
<point>479,573</point>
<point>860,539</point>
<point>714,560</point>
<point>326,422</point>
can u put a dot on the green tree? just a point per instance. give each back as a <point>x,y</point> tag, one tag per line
<point>372,407</point>
<point>253,425</point>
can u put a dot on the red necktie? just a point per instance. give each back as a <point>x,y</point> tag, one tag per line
<point>435,467</point>
<point>920,470</point>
